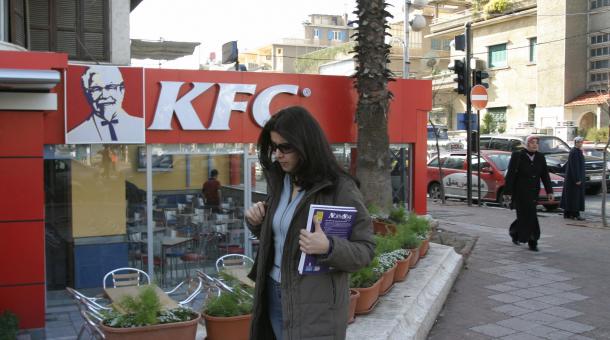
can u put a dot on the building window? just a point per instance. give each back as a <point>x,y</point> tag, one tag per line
<point>76,27</point>
<point>440,44</point>
<point>599,64</point>
<point>533,43</point>
<point>499,116</point>
<point>599,3</point>
<point>600,51</point>
<point>600,38</point>
<point>599,77</point>
<point>497,56</point>
<point>316,33</point>
<point>531,112</point>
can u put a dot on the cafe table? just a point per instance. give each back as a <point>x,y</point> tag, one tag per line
<point>117,294</point>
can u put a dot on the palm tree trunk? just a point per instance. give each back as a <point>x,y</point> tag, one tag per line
<point>372,76</point>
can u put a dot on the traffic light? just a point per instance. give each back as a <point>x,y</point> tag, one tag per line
<point>459,68</point>
<point>479,76</point>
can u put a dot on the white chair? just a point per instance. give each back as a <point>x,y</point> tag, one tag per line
<point>91,302</point>
<point>127,276</point>
<point>91,324</point>
<point>233,260</point>
<point>191,286</point>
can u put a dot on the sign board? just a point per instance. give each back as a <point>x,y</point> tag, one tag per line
<point>478,97</point>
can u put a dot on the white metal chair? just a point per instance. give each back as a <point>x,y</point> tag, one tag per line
<point>191,286</point>
<point>91,311</point>
<point>127,276</point>
<point>92,302</point>
<point>92,322</point>
<point>233,260</point>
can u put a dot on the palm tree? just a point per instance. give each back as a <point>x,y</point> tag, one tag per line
<point>371,81</point>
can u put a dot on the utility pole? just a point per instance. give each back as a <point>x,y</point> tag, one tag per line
<point>405,49</point>
<point>468,114</point>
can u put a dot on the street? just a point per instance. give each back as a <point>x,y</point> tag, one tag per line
<point>509,292</point>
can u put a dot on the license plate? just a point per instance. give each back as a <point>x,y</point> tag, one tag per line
<point>596,178</point>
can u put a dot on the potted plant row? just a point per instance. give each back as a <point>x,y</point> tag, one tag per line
<point>142,317</point>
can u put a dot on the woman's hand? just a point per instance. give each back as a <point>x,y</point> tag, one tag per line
<point>256,213</point>
<point>316,242</point>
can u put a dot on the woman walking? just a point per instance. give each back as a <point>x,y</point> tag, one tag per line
<point>527,167</point>
<point>573,195</point>
<point>301,170</point>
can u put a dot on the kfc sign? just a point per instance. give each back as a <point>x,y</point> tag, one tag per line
<point>168,103</point>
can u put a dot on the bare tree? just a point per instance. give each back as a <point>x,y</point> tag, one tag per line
<point>371,81</point>
<point>604,92</point>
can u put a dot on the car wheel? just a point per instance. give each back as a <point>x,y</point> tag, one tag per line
<point>434,191</point>
<point>551,207</point>
<point>501,202</point>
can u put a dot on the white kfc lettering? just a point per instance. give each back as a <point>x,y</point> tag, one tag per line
<point>169,103</point>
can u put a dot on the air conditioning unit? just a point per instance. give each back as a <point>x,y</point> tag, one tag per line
<point>525,124</point>
<point>566,123</point>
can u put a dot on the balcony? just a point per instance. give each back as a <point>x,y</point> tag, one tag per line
<point>458,19</point>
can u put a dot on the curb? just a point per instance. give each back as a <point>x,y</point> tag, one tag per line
<point>410,309</point>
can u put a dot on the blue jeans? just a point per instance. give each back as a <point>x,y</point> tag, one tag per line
<point>274,300</point>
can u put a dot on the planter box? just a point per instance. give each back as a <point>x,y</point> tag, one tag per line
<point>383,228</point>
<point>402,268</point>
<point>423,248</point>
<point>353,300</point>
<point>387,281</point>
<point>175,331</point>
<point>368,298</point>
<point>415,258</point>
<point>227,327</point>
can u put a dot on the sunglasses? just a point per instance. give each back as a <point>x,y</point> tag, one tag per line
<point>283,147</point>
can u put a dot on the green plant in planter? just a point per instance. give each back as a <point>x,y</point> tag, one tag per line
<point>386,244</point>
<point>365,277</point>
<point>410,239</point>
<point>399,215</point>
<point>235,303</point>
<point>9,325</point>
<point>419,225</point>
<point>145,310</point>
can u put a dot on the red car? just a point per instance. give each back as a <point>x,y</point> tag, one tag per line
<point>493,168</point>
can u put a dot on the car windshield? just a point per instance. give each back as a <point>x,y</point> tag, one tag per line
<point>552,145</point>
<point>500,160</point>
<point>442,133</point>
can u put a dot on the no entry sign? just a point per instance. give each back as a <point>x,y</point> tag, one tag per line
<point>478,97</point>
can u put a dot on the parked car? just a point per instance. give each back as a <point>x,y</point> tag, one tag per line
<point>493,169</point>
<point>444,142</point>
<point>556,152</point>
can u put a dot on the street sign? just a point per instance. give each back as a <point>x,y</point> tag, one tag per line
<point>478,97</point>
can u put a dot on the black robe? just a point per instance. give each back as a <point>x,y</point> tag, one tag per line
<point>523,183</point>
<point>573,196</point>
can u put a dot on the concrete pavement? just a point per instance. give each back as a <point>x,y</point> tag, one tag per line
<point>508,292</point>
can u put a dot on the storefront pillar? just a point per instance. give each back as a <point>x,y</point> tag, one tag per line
<point>22,273</point>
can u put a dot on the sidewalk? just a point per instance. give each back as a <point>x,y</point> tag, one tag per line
<point>508,292</point>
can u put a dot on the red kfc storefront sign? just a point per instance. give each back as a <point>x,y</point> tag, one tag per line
<point>122,105</point>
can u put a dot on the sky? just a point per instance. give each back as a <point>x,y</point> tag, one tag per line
<point>252,23</point>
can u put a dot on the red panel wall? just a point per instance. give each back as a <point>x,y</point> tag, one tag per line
<point>22,281</point>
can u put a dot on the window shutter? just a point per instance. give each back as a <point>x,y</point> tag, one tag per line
<point>17,29</point>
<point>66,19</point>
<point>330,35</point>
<point>39,25</point>
<point>94,28</point>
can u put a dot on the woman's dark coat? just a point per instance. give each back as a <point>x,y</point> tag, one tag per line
<point>573,196</point>
<point>523,183</point>
<point>313,306</point>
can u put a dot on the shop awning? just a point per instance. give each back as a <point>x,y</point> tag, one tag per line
<point>161,49</point>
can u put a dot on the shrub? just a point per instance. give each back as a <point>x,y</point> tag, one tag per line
<point>386,244</point>
<point>597,135</point>
<point>365,277</point>
<point>235,303</point>
<point>9,325</point>
<point>399,215</point>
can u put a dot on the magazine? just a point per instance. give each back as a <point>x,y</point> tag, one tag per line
<point>335,221</point>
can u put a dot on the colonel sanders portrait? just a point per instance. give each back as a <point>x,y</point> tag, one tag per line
<point>107,122</point>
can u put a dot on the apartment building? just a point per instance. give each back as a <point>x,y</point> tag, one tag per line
<point>320,31</point>
<point>545,60</point>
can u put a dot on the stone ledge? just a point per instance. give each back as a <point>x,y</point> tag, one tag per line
<point>409,310</point>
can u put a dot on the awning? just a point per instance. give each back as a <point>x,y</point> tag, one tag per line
<point>161,49</point>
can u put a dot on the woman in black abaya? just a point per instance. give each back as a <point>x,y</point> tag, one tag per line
<point>526,169</point>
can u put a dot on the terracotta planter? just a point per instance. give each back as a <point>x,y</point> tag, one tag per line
<point>387,281</point>
<point>227,327</point>
<point>423,248</point>
<point>415,258</point>
<point>402,268</point>
<point>353,300</point>
<point>368,298</point>
<point>175,331</point>
<point>383,228</point>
